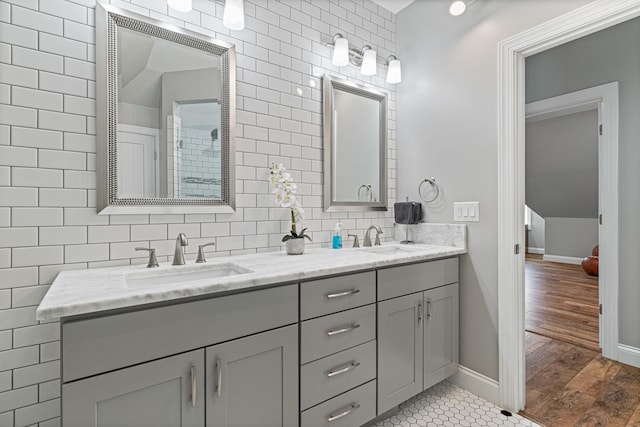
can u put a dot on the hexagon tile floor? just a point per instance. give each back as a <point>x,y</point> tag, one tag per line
<point>448,405</point>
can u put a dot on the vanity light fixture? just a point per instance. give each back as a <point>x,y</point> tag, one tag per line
<point>369,66</point>
<point>340,51</point>
<point>180,5</point>
<point>366,59</point>
<point>394,72</point>
<point>233,16</point>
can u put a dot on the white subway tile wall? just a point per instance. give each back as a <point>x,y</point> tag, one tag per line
<point>48,220</point>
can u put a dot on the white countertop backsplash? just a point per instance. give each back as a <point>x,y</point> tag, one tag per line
<point>86,291</point>
<point>434,234</point>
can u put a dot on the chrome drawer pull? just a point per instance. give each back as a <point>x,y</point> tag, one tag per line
<point>218,389</point>
<point>344,412</point>
<point>343,370</point>
<point>343,329</point>
<point>343,293</point>
<point>194,389</point>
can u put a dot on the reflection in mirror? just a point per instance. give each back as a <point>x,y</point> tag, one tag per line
<point>355,146</point>
<point>170,105</point>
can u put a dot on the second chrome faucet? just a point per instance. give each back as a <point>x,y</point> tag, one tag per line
<point>367,235</point>
<point>181,243</point>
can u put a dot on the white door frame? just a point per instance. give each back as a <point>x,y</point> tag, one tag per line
<point>603,98</point>
<point>512,52</point>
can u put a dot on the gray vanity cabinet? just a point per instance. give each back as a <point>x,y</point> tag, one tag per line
<point>166,392</point>
<point>161,366</point>
<point>338,350</point>
<point>417,329</point>
<point>400,350</point>
<point>440,334</point>
<point>253,381</point>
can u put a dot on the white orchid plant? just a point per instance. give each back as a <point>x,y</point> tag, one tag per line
<point>285,190</point>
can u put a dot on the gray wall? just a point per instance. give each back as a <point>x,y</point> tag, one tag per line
<point>447,128</point>
<point>536,233</point>
<point>570,237</point>
<point>610,55</point>
<point>562,166</point>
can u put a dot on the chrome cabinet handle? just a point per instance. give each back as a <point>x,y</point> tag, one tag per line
<point>420,312</point>
<point>218,389</point>
<point>343,293</point>
<point>342,330</point>
<point>338,371</point>
<point>428,309</point>
<point>344,412</point>
<point>194,389</point>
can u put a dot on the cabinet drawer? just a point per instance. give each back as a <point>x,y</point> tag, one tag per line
<point>351,409</point>
<point>102,344</point>
<point>326,296</point>
<point>330,334</point>
<point>335,374</point>
<point>407,279</point>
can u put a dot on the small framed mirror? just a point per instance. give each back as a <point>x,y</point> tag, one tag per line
<point>165,117</point>
<point>355,146</point>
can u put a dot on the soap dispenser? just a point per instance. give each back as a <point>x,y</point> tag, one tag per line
<point>337,237</point>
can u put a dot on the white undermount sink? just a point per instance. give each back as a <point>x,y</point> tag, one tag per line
<point>177,275</point>
<point>392,249</point>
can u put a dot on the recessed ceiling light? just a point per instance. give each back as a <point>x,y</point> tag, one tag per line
<point>457,8</point>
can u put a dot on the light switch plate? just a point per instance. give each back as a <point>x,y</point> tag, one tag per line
<point>466,211</point>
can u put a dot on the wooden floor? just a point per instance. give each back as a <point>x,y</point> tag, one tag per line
<point>569,383</point>
<point>561,302</point>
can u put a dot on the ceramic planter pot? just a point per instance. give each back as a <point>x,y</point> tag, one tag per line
<point>295,246</point>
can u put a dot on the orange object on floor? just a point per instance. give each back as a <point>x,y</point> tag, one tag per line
<point>590,265</point>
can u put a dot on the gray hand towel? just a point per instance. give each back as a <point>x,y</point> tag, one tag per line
<point>407,212</point>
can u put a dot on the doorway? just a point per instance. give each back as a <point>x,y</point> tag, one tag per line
<point>576,24</point>
<point>571,168</point>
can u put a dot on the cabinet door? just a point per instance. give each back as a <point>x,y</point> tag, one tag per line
<point>166,392</point>
<point>400,348</point>
<point>253,381</point>
<point>440,334</point>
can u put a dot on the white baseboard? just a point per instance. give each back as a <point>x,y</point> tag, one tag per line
<point>477,384</point>
<point>535,250</point>
<point>562,259</point>
<point>629,355</point>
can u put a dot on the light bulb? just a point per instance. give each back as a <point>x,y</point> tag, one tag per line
<point>394,73</point>
<point>180,5</point>
<point>233,16</point>
<point>457,8</point>
<point>369,67</point>
<point>340,52</point>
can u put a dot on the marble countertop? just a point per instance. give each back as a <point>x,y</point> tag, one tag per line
<point>88,291</point>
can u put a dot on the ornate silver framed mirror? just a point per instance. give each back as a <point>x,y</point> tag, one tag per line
<point>355,146</point>
<point>165,117</point>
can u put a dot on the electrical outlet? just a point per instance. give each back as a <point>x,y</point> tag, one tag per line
<point>466,211</point>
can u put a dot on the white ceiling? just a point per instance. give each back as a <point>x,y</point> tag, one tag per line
<point>394,6</point>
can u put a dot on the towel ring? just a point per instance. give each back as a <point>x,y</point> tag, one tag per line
<point>431,181</point>
<point>368,190</point>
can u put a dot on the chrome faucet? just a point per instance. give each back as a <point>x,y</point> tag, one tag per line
<point>367,237</point>
<point>201,258</point>
<point>181,242</point>
<point>153,260</point>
